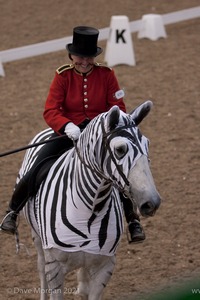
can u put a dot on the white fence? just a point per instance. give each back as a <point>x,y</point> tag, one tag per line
<point>59,44</point>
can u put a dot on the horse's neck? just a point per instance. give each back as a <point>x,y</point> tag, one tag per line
<point>104,189</point>
<point>91,183</point>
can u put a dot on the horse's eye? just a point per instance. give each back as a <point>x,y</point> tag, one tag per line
<point>121,150</point>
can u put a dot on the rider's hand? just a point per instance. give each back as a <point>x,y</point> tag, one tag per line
<point>72,131</point>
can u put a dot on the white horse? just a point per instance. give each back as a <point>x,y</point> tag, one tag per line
<point>76,216</point>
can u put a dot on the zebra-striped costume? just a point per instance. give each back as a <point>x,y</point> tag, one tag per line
<point>76,216</point>
<point>78,207</point>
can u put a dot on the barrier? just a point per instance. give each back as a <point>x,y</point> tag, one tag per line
<point>119,47</point>
<point>59,44</point>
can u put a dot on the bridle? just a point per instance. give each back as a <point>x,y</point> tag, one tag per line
<point>107,146</point>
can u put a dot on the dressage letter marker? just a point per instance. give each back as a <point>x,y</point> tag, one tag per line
<point>152,27</point>
<point>119,48</point>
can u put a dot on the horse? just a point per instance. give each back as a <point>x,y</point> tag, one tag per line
<point>76,217</point>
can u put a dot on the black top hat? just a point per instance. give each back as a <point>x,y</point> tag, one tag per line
<point>84,42</point>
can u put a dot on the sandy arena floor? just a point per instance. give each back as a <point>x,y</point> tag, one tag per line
<point>166,71</point>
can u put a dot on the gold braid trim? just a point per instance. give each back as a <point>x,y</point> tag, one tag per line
<point>64,68</point>
<point>102,65</point>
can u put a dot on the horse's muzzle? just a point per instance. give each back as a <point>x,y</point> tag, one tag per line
<point>148,209</point>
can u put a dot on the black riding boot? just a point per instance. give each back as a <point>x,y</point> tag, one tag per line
<point>136,232</point>
<point>17,202</point>
<point>9,223</point>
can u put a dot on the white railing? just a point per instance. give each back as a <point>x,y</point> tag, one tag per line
<point>59,44</point>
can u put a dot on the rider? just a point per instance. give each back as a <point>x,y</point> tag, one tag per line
<point>79,92</point>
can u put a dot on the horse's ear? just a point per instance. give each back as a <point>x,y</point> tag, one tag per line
<point>140,112</point>
<point>113,118</point>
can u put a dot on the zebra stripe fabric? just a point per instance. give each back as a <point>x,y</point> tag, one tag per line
<point>76,209</point>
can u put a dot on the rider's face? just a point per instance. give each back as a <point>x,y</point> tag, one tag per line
<point>82,64</point>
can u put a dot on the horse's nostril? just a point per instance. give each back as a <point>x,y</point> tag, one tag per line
<point>148,208</point>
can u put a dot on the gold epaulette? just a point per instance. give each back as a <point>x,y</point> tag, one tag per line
<point>102,65</point>
<point>64,68</point>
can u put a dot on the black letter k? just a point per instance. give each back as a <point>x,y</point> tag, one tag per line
<point>119,35</point>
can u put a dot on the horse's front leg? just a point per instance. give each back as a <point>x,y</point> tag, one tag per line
<point>55,271</point>
<point>40,266</point>
<point>95,275</point>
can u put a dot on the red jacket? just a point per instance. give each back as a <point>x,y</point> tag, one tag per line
<point>75,97</point>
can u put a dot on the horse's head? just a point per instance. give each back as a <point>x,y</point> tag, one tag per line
<point>127,162</point>
<point>114,149</point>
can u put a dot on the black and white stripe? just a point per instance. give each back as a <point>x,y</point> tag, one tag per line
<point>78,206</point>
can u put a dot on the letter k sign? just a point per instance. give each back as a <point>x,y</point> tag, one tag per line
<point>119,48</point>
<point>120,36</point>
